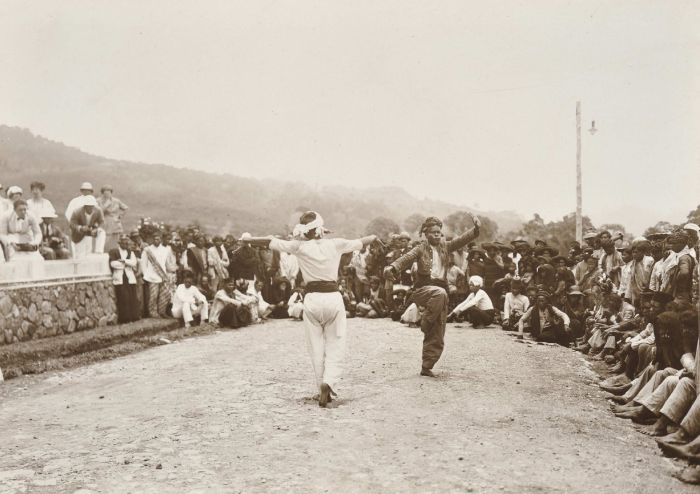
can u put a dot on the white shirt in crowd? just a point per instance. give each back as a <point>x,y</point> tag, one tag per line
<point>518,303</point>
<point>161,254</point>
<point>437,270</point>
<point>184,295</point>
<point>318,259</point>
<point>289,267</point>
<point>40,207</point>
<point>480,300</point>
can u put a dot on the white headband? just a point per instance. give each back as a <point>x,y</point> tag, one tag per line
<point>317,224</point>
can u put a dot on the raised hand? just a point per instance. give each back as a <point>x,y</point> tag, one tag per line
<point>476,220</point>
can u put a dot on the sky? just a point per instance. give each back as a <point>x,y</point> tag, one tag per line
<point>471,102</point>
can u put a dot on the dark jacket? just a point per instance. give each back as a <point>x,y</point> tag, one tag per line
<point>423,254</point>
<point>78,220</point>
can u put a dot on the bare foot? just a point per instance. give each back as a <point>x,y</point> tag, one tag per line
<point>655,430</point>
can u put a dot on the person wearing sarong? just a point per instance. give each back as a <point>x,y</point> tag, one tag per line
<point>431,257</point>
<point>217,259</point>
<point>154,260</point>
<point>123,263</point>
<point>198,259</point>
<point>113,209</point>
<point>324,311</point>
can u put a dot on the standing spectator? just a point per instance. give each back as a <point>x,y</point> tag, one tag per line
<point>77,202</point>
<point>20,232</point>
<point>54,243</point>
<point>5,203</point>
<point>38,205</point>
<point>123,263</point>
<point>154,261</point>
<point>244,261</point>
<point>218,263</point>
<point>113,209</point>
<point>197,259</point>
<point>289,268</point>
<point>85,224</point>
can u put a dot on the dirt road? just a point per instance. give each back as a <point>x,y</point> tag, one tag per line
<point>232,412</point>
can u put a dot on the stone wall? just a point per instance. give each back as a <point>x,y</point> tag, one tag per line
<point>32,311</point>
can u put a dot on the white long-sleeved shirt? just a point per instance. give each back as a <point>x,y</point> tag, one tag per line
<point>161,254</point>
<point>480,300</point>
<point>647,336</point>
<point>289,266</point>
<point>519,303</point>
<point>184,295</point>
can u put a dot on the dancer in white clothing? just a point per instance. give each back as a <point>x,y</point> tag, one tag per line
<point>324,311</point>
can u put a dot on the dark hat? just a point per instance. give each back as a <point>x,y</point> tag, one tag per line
<point>489,245</point>
<point>539,241</point>
<point>658,236</point>
<point>557,259</point>
<point>662,297</point>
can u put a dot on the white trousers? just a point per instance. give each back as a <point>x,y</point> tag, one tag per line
<point>85,247</point>
<point>324,318</point>
<point>188,311</point>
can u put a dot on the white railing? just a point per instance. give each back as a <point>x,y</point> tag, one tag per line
<point>22,271</point>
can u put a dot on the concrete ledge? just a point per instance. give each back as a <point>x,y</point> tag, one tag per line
<point>33,269</point>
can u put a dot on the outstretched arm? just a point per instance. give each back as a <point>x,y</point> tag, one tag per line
<point>466,237</point>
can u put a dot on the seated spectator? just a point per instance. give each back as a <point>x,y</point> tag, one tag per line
<point>38,205</point>
<point>124,264</point>
<point>348,298</point>
<point>226,310</point>
<point>250,301</point>
<point>20,233</point>
<point>477,308</point>
<point>280,292</point>
<point>296,304</point>
<point>189,302</point>
<point>514,306</point>
<point>373,305</point>
<point>54,244</point>
<point>85,225</point>
<point>547,323</point>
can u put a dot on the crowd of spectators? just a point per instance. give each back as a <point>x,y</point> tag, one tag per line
<point>631,305</point>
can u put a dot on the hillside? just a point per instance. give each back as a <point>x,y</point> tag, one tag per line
<point>219,202</point>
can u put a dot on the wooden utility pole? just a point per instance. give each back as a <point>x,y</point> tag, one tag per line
<point>579,214</point>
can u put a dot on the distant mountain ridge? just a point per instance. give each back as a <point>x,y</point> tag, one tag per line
<point>220,203</point>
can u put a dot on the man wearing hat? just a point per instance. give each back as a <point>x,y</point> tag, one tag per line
<point>693,232</point>
<point>77,202</point>
<point>54,241</point>
<point>19,232</point>
<point>85,225</point>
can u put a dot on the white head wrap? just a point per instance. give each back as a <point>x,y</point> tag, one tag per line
<point>477,281</point>
<point>300,230</point>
